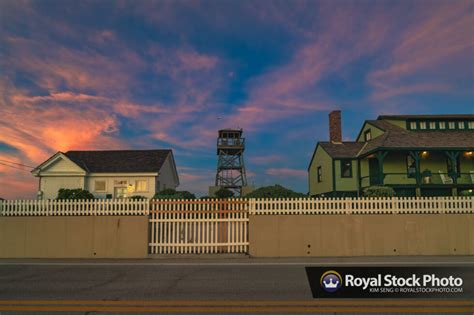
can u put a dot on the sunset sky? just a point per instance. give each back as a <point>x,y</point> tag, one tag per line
<point>96,75</point>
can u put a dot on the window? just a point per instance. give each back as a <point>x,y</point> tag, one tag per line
<point>411,166</point>
<point>470,124</point>
<point>422,125</point>
<point>452,125</point>
<point>141,185</point>
<point>432,125</point>
<point>442,125</point>
<point>346,168</point>
<point>367,135</point>
<point>413,125</point>
<point>461,125</point>
<point>320,174</point>
<point>99,185</point>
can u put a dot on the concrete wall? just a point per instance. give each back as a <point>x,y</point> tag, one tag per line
<point>361,235</point>
<point>74,237</point>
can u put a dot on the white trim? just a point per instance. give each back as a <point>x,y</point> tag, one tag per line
<point>51,160</point>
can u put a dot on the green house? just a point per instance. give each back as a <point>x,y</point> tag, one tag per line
<point>416,155</point>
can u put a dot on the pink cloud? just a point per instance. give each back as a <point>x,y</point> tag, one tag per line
<point>286,172</point>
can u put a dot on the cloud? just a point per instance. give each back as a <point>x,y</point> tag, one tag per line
<point>286,172</point>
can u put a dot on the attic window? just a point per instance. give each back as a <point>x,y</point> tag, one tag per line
<point>452,125</point>
<point>432,125</point>
<point>442,125</point>
<point>470,124</point>
<point>368,135</point>
<point>461,125</point>
<point>99,185</point>
<point>413,125</point>
<point>422,125</point>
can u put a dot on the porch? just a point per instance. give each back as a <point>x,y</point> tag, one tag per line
<point>420,172</point>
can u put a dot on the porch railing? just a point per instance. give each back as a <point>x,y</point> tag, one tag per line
<point>436,178</point>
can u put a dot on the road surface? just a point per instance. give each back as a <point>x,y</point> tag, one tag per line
<point>194,285</point>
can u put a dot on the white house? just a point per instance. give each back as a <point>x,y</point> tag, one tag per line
<point>108,174</point>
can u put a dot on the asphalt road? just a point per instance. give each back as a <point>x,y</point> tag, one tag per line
<point>186,285</point>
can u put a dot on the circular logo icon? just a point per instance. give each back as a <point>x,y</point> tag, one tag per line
<point>331,281</point>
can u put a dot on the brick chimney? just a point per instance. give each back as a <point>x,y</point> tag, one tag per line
<point>335,130</point>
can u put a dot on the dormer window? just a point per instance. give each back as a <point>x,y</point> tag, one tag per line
<point>368,135</point>
<point>413,125</point>
<point>452,125</point>
<point>442,125</point>
<point>422,125</point>
<point>471,124</point>
<point>461,125</point>
<point>432,125</point>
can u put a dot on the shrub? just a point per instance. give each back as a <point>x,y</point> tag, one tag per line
<point>466,193</point>
<point>137,197</point>
<point>275,191</point>
<point>379,191</point>
<point>173,194</point>
<point>224,193</point>
<point>75,194</point>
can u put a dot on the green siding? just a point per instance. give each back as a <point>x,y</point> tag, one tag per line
<point>346,184</point>
<point>373,130</point>
<point>397,122</point>
<point>321,158</point>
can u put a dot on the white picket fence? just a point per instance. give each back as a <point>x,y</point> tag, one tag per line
<point>199,226</point>
<point>400,205</point>
<point>93,207</point>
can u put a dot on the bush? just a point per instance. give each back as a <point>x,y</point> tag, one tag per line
<point>137,197</point>
<point>466,193</point>
<point>379,191</point>
<point>173,194</point>
<point>224,193</point>
<point>74,194</point>
<point>275,191</point>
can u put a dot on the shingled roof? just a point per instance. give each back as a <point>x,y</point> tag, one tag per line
<point>342,150</point>
<point>123,161</point>
<point>397,137</point>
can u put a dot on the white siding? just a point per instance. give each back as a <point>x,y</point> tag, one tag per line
<point>167,176</point>
<point>110,185</point>
<point>51,184</point>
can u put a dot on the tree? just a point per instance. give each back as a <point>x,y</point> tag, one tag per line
<point>75,194</point>
<point>173,194</point>
<point>224,193</point>
<point>275,191</point>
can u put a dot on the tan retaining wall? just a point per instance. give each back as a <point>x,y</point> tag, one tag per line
<point>74,237</point>
<point>361,235</point>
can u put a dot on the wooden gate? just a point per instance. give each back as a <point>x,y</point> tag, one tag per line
<point>199,226</point>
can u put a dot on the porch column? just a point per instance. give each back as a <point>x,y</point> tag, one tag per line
<point>416,155</point>
<point>380,157</point>
<point>453,157</point>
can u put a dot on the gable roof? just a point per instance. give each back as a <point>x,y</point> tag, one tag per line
<point>342,150</point>
<point>398,138</point>
<point>120,161</point>
<point>449,116</point>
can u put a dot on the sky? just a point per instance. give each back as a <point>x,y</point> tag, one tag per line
<point>98,75</point>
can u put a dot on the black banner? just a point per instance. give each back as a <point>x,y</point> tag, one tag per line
<point>392,282</point>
